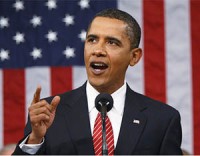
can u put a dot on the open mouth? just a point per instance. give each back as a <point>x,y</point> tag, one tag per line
<point>98,67</point>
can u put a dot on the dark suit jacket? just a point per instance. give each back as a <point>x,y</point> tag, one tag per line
<point>158,130</point>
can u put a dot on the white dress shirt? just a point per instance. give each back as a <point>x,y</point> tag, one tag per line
<point>115,115</point>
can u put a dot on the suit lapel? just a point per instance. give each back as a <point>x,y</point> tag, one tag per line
<point>79,126</point>
<point>133,123</point>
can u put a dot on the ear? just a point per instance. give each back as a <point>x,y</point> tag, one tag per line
<point>136,54</point>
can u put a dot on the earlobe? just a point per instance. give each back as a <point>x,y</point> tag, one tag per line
<point>136,54</point>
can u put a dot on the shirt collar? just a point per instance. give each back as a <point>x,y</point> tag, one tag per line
<point>91,95</point>
<point>118,97</point>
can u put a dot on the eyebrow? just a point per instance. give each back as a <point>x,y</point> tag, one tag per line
<point>114,39</point>
<point>109,38</point>
<point>92,36</point>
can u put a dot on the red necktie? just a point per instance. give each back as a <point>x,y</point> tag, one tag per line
<point>97,136</point>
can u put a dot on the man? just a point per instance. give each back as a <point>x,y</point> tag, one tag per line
<point>64,124</point>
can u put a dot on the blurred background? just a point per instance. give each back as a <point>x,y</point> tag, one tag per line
<point>41,43</point>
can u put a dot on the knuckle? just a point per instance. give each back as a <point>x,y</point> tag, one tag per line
<point>44,109</point>
<point>43,101</point>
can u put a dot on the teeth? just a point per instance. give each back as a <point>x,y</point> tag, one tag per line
<point>99,65</point>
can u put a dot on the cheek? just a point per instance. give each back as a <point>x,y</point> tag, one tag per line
<point>86,54</point>
<point>120,64</point>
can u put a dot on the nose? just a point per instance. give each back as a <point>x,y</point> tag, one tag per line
<point>99,50</point>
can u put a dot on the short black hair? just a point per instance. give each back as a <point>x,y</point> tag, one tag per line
<point>133,29</point>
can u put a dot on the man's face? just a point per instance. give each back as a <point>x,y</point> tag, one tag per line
<point>107,54</point>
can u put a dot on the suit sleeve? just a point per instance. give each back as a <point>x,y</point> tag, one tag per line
<point>19,151</point>
<point>27,131</point>
<point>171,144</point>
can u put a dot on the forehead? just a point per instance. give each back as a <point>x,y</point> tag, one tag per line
<point>107,26</point>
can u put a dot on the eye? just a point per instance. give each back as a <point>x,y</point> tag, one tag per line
<point>91,39</point>
<point>112,42</point>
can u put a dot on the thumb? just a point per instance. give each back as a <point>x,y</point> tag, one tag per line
<point>54,103</point>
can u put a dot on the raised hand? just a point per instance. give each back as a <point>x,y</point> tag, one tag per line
<point>41,116</point>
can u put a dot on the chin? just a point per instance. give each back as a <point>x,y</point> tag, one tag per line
<point>97,83</point>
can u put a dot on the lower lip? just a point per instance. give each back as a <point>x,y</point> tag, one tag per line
<point>98,71</point>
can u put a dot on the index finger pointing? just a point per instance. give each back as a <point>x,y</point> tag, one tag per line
<point>36,97</point>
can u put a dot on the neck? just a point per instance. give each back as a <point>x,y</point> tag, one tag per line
<point>107,89</point>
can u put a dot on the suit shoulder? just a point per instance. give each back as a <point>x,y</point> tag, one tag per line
<point>69,95</point>
<point>153,104</point>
